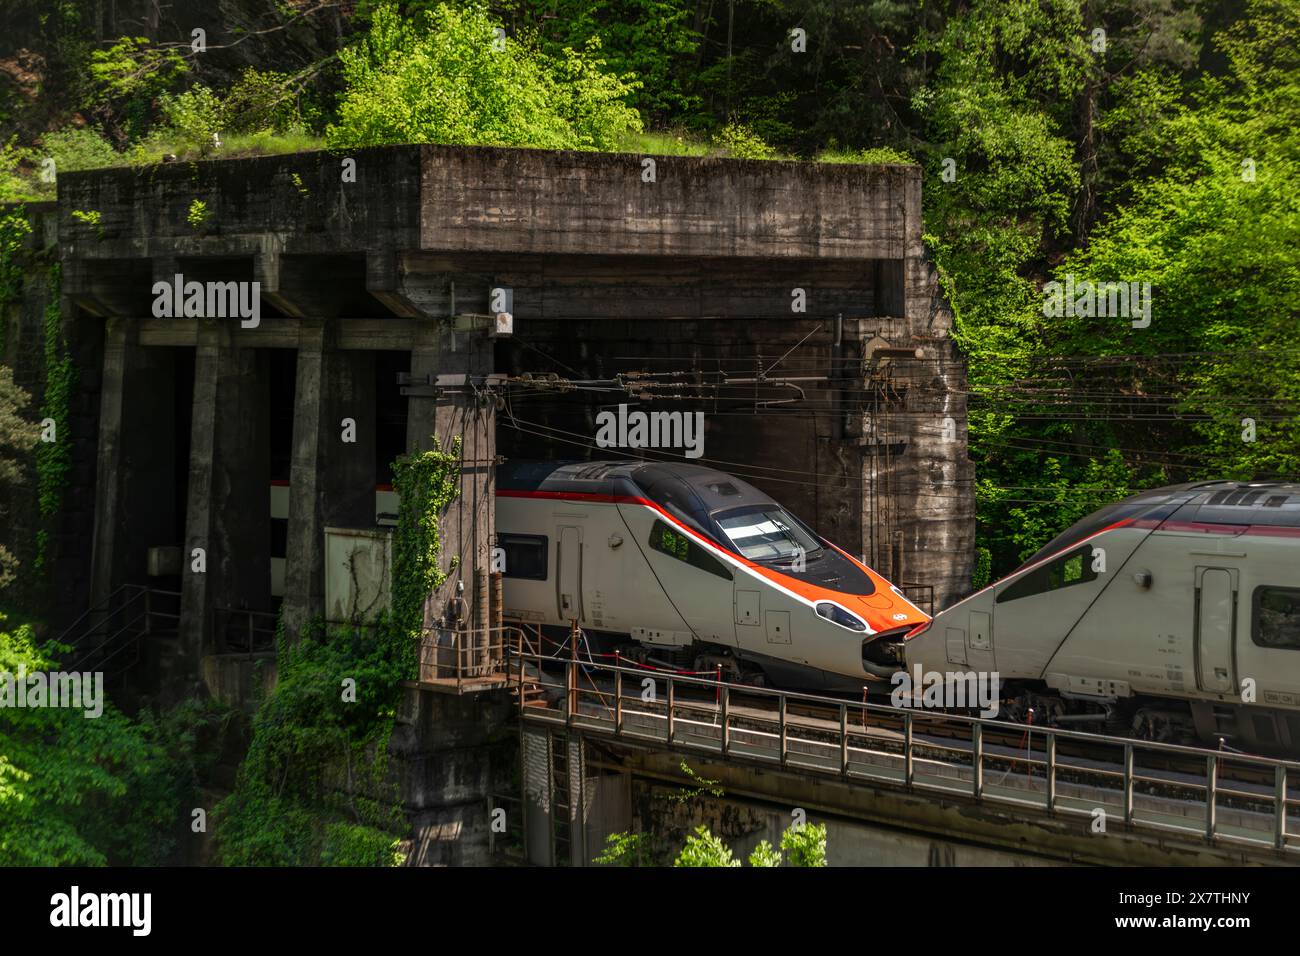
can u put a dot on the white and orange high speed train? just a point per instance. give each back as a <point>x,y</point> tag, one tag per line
<point>686,563</point>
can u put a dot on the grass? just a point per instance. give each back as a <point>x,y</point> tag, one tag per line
<point>667,143</point>
<point>20,174</point>
<point>869,157</point>
<point>240,146</point>
<point>19,184</point>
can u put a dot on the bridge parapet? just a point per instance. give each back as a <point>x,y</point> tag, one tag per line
<point>1037,791</point>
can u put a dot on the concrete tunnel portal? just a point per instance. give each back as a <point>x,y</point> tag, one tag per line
<point>221,434</point>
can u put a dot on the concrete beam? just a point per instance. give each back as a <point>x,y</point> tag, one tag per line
<point>523,200</point>
<point>385,282</point>
<point>1017,830</point>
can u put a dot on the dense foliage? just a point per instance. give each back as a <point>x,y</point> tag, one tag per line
<point>314,788</point>
<point>91,791</point>
<point>447,77</point>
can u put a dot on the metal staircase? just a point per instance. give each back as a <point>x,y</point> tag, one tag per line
<point>110,636</point>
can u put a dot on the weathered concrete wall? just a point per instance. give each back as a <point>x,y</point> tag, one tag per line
<point>523,200</point>
<point>743,824</point>
<point>451,754</point>
<point>57,590</point>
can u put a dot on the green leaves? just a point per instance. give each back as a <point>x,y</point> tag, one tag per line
<point>704,849</point>
<point>83,792</point>
<point>450,77</point>
<point>314,788</point>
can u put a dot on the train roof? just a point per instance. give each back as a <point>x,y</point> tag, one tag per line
<point>1228,502</point>
<point>1240,503</point>
<point>692,488</point>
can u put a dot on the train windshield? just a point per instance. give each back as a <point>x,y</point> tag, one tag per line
<point>767,533</point>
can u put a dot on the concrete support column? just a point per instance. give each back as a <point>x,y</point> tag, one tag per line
<point>468,526</point>
<point>331,480</point>
<point>133,488</point>
<point>228,513</point>
<point>936,482</point>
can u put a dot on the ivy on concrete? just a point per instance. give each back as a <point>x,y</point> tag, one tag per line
<point>426,483</point>
<point>315,787</point>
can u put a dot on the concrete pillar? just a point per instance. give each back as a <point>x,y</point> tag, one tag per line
<point>331,482</point>
<point>468,526</point>
<point>935,493</point>
<point>228,513</point>
<point>133,490</point>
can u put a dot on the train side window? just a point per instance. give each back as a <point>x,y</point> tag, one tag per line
<point>525,555</point>
<point>1061,572</point>
<point>675,544</point>
<point>1276,619</point>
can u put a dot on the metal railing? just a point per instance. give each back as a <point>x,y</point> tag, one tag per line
<point>110,632</point>
<point>240,630</point>
<point>1219,796</point>
<point>470,655</point>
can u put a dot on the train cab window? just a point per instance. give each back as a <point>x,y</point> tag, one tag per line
<point>525,555</point>
<point>1061,572</point>
<point>766,534</point>
<point>677,544</point>
<point>1276,618</point>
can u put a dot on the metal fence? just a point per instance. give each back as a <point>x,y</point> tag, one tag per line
<point>108,635</point>
<point>1219,796</point>
<point>471,656</point>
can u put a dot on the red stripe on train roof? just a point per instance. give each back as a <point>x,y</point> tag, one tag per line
<point>575,496</point>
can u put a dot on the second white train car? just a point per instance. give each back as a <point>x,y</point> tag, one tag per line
<point>1174,614</point>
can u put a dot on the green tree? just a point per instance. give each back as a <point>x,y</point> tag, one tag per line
<point>17,437</point>
<point>127,78</point>
<point>83,791</point>
<point>449,77</point>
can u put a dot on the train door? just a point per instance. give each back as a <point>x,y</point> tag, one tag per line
<point>1216,615</point>
<point>568,573</point>
<point>979,642</point>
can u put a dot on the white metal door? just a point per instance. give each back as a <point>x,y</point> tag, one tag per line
<point>979,641</point>
<point>1216,600</point>
<point>568,577</point>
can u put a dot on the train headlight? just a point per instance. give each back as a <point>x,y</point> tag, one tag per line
<point>837,615</point>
